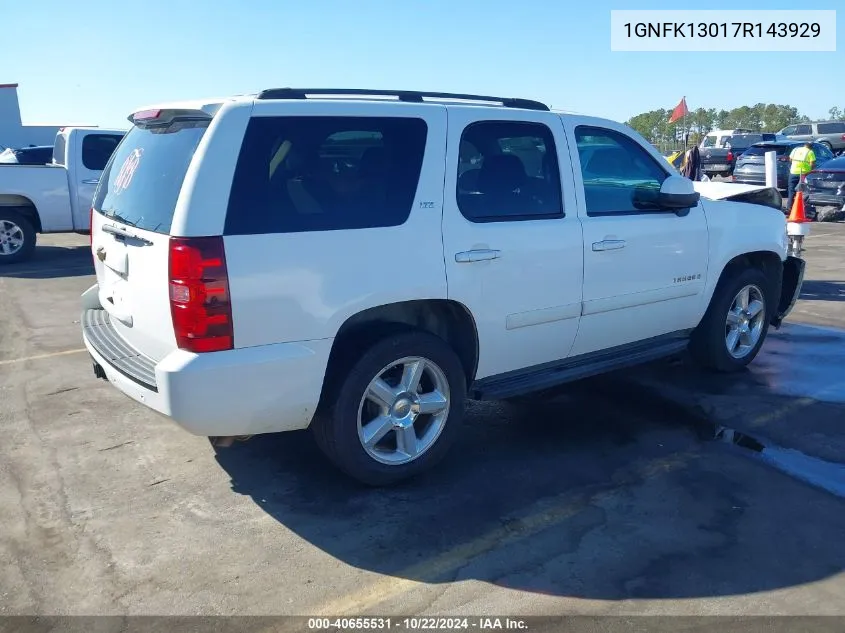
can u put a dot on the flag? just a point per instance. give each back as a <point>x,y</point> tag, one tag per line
<point>679,111</point>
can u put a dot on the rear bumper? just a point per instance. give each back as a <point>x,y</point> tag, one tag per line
<point>793,279</point>
<point>825,199</point>
<point>246,391</point>
<point>717,168</point>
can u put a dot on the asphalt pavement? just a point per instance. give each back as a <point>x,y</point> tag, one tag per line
<point>660,490</point>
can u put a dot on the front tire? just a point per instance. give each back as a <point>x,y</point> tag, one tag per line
<point>17,237</point>
<point>396,411</point>
<point>735,325</point>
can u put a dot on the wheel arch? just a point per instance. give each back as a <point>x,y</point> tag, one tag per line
<point>23,205</point>
<point>770,262</point>
<point>448,319</point>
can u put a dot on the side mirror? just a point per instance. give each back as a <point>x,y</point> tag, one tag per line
<point>677,192</point>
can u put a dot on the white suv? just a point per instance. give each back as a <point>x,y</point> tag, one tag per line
<point>360,265</point>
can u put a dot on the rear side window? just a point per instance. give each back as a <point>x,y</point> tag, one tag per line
<point>831,128</point>
<point>141,183</point>
<point>97,149</point>
<point>297,174</point>
<point>803,129</point>
<point>508,170</point>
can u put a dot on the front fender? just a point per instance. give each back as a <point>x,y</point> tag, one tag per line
<point>790,290</point>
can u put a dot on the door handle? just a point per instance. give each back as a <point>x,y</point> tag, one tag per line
<point>608,245</point>
<point>479,255</point>
<point>91,181</point>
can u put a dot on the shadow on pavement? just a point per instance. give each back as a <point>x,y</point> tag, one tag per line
<point>823,290</point>
<point>52,262</point>
<point>606,491</point>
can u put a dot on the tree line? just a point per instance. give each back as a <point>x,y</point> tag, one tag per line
<point>762,117</point>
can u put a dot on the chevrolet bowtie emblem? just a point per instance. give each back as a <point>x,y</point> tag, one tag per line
<point>101,254</point>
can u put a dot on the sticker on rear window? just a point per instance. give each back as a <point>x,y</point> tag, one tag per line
<point>127,171</point>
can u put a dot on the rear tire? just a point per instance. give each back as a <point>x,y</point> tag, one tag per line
<point>416,418</point>
<point>17,237</point>
<point>736,322</point>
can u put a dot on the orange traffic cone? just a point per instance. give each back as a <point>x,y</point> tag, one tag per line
<point>797,214</point>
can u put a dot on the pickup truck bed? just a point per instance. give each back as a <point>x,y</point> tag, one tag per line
<point>55,197</point>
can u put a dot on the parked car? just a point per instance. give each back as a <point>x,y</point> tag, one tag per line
<point>829,133</point>
<point>360,266</point>
<point>826,185</point>
<point>750,166</point>
<point>35,155</point>
<point>54,197</point>
<point>720,161</point>
<point>717,138</point>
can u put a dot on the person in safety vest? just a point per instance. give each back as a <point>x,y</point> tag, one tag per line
<point>802,160</point>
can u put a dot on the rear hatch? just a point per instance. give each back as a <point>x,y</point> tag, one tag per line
<point>131,219</point>
<point>753,160</point>
<point>828,182</point>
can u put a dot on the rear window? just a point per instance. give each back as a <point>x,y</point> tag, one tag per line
<point>298,174</point>
<point>758,150</point>
<point>141,183</point>
<point>831,128</point>
<point>745,140</point>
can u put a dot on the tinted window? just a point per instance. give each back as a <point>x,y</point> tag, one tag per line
<point>803,129</point>
<point>745,140</point>
<point>619,175</point>
<point>142,181</point>
<point>508,170</point>
<point>97,149</point>
<point>831,128</point>
<point>325,173</point>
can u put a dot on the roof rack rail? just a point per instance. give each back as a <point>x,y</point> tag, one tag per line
<point>411,96</point>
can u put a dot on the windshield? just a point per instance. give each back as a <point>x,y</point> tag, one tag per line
<point>141,183</point>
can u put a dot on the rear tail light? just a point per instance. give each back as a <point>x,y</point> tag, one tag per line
<point>200,304</point>
<point>843,137</point>
<point>783,159</point>
<point>91,227</point>
<point>730,156</point>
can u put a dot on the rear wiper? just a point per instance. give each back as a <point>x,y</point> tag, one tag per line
<point>120,218</point>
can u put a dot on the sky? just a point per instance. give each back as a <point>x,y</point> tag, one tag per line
<point>95,61</point>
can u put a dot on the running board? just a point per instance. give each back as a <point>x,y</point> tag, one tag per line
<point>548,375</point>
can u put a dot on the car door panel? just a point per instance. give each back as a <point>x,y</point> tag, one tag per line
<point>518,268</point>
<point>644,269</point>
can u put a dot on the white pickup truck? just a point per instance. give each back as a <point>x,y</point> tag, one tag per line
<point>56,197</point>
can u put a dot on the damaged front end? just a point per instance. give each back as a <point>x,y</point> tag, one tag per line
<point>734,192</point>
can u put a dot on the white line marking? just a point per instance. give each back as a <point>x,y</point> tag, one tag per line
<point>41,356</point>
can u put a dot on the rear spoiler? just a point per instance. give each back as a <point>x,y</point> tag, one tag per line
<point>751,194</point>
<point>165,116</point>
